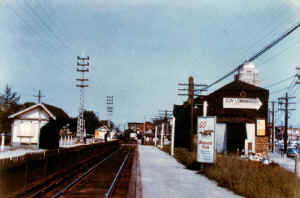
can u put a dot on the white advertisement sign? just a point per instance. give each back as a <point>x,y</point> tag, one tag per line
<point>242,103</point>
<point>206,149</point>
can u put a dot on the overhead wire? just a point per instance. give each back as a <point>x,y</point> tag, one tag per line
<point>52,32</point>
<point>256,55</point>
<point>42,42</point>
<point>27,25</point>
<point>279,82</point>
<point>272,32</point>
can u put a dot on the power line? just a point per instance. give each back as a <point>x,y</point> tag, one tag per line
<point>28,5</point>
<point>255,56</point>
<point>279,82</point>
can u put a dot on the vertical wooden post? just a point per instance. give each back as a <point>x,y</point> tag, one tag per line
<point>191,102</point>
<point>2,141</point>
<point>162,136</point>
<point>155,137</point>
<point>173,136</point>
<point>273,127</point>
<point>296,164</point>
<point>286,123</point>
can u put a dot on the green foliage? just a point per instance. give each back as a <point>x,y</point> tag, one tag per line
<point>247,178</point>
<point>8,105</point>
<point>91,122</point>
<point>9,99</point>
<point>49,137</point>
<point>253,179</point>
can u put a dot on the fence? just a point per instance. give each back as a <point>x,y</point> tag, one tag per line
<point>18,174</point>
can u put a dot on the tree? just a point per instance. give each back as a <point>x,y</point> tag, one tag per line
<point>9,99</point>
<point>91,121</point>
<point>8,105</point>
<point>49,137</point>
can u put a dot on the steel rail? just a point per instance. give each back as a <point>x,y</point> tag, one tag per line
<point>59,193</point>
<point>110,190</point>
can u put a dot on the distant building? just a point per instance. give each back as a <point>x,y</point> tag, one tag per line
<point>27,123</point>
<point>249,74</point>
<point>293,134</point>
<point>139,126</point>
<point>100,132</point>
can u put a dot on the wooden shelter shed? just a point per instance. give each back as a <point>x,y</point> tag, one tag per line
<point>27,123</point>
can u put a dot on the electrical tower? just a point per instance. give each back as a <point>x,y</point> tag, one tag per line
<point>82,67</point>
<point>109,103</point>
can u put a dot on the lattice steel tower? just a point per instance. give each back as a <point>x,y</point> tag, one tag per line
<point>110,103</point>
<point>82,67</point>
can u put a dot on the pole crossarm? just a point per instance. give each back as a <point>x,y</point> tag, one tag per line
<point>83,64</point>
<point>79,79</point>
<point>83,58</point>
<point>83,70</point>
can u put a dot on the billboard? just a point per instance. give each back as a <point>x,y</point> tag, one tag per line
<point>206,149</point>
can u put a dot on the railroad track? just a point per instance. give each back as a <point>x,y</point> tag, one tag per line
<point>106,178</point>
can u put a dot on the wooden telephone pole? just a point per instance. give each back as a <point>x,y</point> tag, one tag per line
<point>273,126</point>
<point>285,101</point>
<point>39,96</point>
<point>191,94</point>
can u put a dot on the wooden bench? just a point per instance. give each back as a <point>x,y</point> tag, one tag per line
<point>25,137</point>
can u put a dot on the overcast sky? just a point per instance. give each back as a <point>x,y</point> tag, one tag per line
<point>141,49</point>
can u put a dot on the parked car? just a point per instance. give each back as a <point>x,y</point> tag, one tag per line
<point>291,152</point>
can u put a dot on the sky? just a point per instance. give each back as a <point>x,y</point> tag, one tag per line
<point>140,50</point>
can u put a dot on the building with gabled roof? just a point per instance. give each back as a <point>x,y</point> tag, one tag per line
<point>241,111</point>
<point>28,122</point>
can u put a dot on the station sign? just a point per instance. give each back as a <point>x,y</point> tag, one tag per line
<point>242,103</point>
<point>206,148</point>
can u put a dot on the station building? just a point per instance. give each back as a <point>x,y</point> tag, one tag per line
<point>241,111</point>
<point>27,123</point>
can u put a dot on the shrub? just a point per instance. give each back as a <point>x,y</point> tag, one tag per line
<point>247,178</point>
<point>253,179</point>
<point>49,136</point>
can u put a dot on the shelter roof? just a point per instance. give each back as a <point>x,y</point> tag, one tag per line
<point>52,111</point>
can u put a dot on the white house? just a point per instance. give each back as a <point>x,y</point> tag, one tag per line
<point>27,123</point>
<point>100,132</point>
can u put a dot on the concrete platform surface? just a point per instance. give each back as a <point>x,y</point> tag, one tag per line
<point>163,177</point>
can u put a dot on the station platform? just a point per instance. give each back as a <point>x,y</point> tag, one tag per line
<point>159,175</point>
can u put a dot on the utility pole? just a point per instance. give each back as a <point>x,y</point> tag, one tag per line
<point>82,67</point>
<point>39,96</point>
<point>166,116</point>
<point>191,93</point>
<point>273,126</point>
<point>157,121</point>
<point>285,101</point>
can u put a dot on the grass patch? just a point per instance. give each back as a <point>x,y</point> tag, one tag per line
<point>247,178</point>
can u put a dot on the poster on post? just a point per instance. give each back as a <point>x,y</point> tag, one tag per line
<point>206,149</point>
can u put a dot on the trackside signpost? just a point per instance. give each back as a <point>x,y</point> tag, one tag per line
<point>206,149</point>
